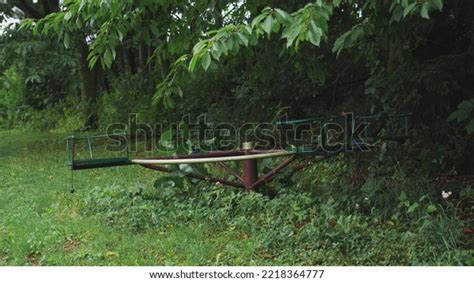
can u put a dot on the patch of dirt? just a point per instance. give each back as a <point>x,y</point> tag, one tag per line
<point>71,244</point>
<point>243,236</point>
<point>159,259</point>
<point>3,256</point>
<point>264,254</point>
<point>33,258</point>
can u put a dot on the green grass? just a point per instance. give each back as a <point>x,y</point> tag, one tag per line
<point>41,222</point>
<point>116,217</point>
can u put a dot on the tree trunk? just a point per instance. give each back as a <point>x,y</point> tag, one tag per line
<point>91,81</point>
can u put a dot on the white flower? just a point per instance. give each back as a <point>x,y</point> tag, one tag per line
<point>445,194</point>
<point>357,206</point>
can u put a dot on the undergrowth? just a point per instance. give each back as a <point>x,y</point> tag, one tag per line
<point>322,216</point>
<point>302,224</point>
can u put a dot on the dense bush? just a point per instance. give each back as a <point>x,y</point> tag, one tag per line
<point>37,83</point>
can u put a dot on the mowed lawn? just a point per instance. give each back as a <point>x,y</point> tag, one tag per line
<point>41,222</point>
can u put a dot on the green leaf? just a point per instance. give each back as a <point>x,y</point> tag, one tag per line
<point>253,40</point>
<point>459,115</point>
<point>186,168</point>
<point>431,208</point>
<point>222,47</point>
<point>258,19</point>
<point>470,127</point>
<point>236,48</point>
<point>166,139</point>
<point>402,197</point>
<point>318,75</point>
<point>216,52</point>
<point>247,28</point>
<point>315,33</point>
<point>467,105</point>
<point>193,63</point>
<point>267,24</point>
<point>324,14</point>
<point>199,46</point>
<point>339,44</point>
<point>413,207</point>
<point>169,104</point>
<point>397,14</point>
<point>92,61</point>
<point>315,39</point>
<point>34,78</point>
<point>464,110</point>
<point>206,61</point>
<point>108,58</point>
<point>408,9</point>
<point>292,33</point>
<point>230,43</point>
<point>437,4</point>
<point>67,16</point>
<point>282,16</point>
<point>66,41</point>
<point>164,182</point>
<point>120,35</point>
<point>243,39</point>
<point>424,11</point>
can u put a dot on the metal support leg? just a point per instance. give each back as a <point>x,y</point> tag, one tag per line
<point>250,172</point>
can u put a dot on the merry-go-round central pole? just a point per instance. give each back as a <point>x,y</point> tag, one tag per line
<point>250,172</point>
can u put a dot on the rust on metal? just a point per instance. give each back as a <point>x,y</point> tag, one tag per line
<point>272,174</point>
<point>250,169</point>
<point>228,169</point>
<point>214,180</point>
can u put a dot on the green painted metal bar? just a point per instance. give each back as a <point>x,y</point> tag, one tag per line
<point>99,163</point>
<point>397,125</point>
<point>75,164</point>
<point>96,136</point>
<point>330,118</point>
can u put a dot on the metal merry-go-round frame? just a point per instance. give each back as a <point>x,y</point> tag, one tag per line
<point>248,179</point>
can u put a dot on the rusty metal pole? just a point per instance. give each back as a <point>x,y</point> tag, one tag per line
<point>250,172</point>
